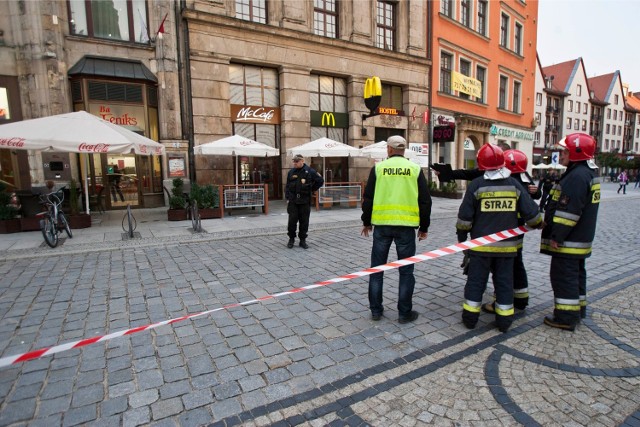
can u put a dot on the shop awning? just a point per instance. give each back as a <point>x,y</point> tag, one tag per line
<point>112,67</point>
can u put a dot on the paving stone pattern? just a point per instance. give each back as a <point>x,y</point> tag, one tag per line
<point>313,358</point>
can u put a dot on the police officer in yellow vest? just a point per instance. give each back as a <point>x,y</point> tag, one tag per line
<point>396,202</point>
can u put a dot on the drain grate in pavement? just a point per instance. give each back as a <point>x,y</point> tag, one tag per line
<point>136,235</point>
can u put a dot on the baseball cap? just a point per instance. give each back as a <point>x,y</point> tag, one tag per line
<point>297,157</point>
<point>397,142</point>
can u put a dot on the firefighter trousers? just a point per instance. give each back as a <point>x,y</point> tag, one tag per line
<point>501,268</point>
<point>569,283</point>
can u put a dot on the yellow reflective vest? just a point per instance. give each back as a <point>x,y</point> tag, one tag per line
<point>396,193</point>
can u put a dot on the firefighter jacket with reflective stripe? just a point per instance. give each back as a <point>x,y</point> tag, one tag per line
<point>397,194</point>
<point>490,206</point>
<point>301,183</point>
<point>572,213</point>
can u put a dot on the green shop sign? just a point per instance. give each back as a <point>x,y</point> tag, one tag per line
<point>511,133</point>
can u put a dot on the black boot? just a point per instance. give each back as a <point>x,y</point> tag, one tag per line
<point>290,243</point>
<point>303,244</point>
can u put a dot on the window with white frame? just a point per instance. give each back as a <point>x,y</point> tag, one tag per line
<point>578,107</point>
<point>584,125</point>
<point>504,30</point>
<point>502,96</point>
<point>570,106</point>
<point>481,76</point>
<point>606,144</point>
<point>608,129</point>
<point>516,96</point>
<point>538,118</point>
<point>586,108</point>
<point>465,13</point>
<point>615,99</point>
<point>536,138</point>
<point>447,8</point>
<point>252,10</point>
<point>538,99</point>
<point>465,68</point>
<point>518,38</point>
<point>576,124</point>
<point>569,123</point>
<point>114,20</point>
<point>482,17</point>
<point>386,25</point>
<point>608,113</point>
<point>325,18</point>
<point>446,60</point>
<point>615,114</point>
<point>579,90</point>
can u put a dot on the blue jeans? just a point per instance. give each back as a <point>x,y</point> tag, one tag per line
<point>405,240</point>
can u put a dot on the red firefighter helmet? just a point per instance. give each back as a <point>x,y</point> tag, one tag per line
<point>580,145</point>
<point>490,157</point>
<point>516,161</point>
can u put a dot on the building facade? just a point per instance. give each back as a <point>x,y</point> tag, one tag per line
<point>100,57</point>
<point>484,73</point>
<point>285,73</point>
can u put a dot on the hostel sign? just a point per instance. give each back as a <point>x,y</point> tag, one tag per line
<point>329,119</point>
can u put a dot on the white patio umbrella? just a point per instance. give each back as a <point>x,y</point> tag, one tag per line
<point>540,166</point>
<point>556,166</point>
<point>325,147</point>
<point>379,151</point>
<point>78,132</point>
<point>236,145</point>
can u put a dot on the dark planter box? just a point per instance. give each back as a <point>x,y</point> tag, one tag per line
<point>79,221</point>
<point>31,223</point>
<point>438,193</point>
<point>209,213</point>
<point>177,214</point>
<point>10,226</point>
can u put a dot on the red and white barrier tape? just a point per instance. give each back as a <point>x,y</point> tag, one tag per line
<point>448,250</point>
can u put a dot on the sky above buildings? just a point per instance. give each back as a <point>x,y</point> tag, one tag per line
<point>602,32</point>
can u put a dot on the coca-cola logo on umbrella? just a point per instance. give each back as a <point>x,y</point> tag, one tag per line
<point>93,148</point>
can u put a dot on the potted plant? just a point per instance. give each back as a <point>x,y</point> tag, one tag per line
<point>177,202</point>
<point>77,219</point>
<point>9,222</point>
<point>209,202</point>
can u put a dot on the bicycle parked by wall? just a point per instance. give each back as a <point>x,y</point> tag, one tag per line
<point>53,219</point>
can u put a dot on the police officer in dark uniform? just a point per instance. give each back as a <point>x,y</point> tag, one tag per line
<point>571,216</point>
<point>302,181</point>
<point>492,203</point>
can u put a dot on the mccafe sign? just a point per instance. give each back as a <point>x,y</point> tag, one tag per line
<point>255,114</point>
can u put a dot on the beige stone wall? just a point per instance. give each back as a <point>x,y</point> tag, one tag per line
<point>289,45</point>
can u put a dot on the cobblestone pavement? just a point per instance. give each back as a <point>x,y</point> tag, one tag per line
<point>313,358</point>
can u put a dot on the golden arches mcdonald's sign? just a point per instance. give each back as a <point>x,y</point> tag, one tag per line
<point>329,119</point>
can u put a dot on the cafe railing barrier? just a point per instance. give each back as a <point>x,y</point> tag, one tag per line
<point>347,194</point>
<point>246,196</point>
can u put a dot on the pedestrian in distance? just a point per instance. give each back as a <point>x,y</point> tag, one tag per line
<point>623,179</point>
<point>570,228</point>
<point>302,181</point>
<point>545,186</point>
<point>637,180</point>
<point>396,202</point>
<point>492,203</point>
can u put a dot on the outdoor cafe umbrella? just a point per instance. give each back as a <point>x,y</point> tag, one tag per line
<point>540,166</point>
<point>236,145</point>
<point>325,147</point>
<point>78,132</point>
<point>378,151</point>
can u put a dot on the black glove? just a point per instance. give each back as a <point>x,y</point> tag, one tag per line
<point>465,263</point>
<point>444,171</point>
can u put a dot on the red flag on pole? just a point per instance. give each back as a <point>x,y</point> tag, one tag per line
<point>160,31</point>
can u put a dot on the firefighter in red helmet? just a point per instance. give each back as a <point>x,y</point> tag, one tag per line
<point>516,161</point>
<point>491,204</point>
<point>571,218</point>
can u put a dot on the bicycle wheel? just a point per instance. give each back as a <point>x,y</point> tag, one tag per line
<point>63,223</point>
<point>49,231</point>
<point>195,219</point>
